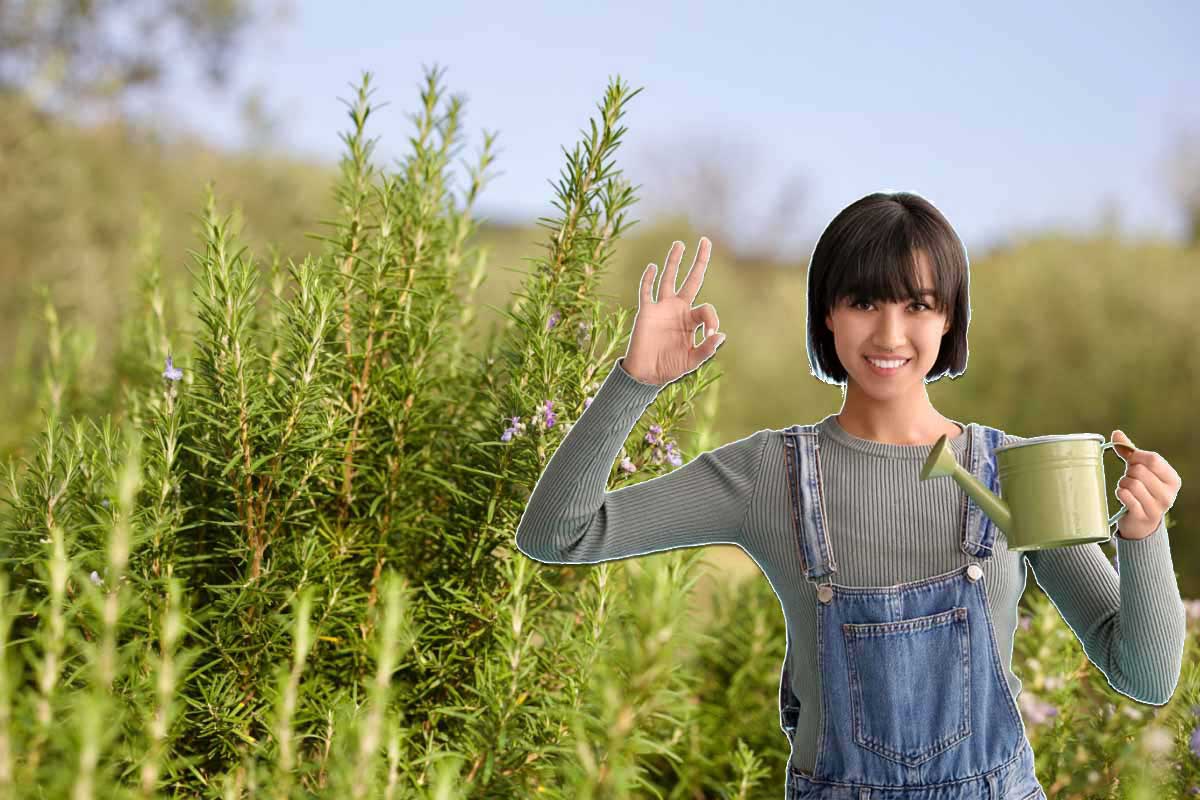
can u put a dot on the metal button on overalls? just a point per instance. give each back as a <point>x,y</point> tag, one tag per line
<point>913,698</point>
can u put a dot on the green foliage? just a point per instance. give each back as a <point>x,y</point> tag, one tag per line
<point>87,210</point>
<point>287,569</point>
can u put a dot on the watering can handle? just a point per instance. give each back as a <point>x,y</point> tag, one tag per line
<point>1115,517</point>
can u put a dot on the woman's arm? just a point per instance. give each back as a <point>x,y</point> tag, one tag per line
<point>1132,625</point>
<point>572,519</point>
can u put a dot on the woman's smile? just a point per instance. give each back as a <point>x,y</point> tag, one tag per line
<point>884,371</point>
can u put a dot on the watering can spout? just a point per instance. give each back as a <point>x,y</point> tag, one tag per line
<point>941,462</point>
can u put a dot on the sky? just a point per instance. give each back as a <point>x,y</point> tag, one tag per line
<point>1012,119</point>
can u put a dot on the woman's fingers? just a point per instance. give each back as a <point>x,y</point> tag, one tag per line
<point>670,269</point>
<point>705,350</point>
<point>695,277</point>
<point>707,315</point>
<point>1136,499</point>
<point>646,298</point>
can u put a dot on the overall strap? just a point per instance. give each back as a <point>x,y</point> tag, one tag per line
<point>808,527</point>
<point>979,531</point>
<point>807,502</point>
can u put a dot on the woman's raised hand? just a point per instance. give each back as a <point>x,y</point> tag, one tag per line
<point>661,347</point>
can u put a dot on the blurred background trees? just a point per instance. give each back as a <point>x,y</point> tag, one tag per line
<point>1182,168</point>
<point>84,53</point>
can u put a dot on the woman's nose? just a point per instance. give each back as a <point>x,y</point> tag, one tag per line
<point>890,332</point>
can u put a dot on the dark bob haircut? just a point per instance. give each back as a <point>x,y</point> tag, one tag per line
<point>869,252</point>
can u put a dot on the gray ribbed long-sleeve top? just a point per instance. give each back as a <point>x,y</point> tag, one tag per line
<point>885,525</point>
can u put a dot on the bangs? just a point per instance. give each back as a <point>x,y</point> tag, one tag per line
<point>886,270</point>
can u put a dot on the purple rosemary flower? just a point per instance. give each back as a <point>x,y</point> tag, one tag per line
<point>554,318</point>
<point>548,416</point>
<point>515,429</point>
<point>655,434</point>
<point>1194,742</point>
<point>170,373</point>
<point>104,502</point>
<point>673,455</point>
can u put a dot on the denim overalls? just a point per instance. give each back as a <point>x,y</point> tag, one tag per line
<point>914,703</point>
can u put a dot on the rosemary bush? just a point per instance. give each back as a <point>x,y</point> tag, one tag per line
<point>283,565</point>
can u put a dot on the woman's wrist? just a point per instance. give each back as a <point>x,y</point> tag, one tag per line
<point>636,372</point>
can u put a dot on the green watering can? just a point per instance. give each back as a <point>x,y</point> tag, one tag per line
<point>1053,486</point>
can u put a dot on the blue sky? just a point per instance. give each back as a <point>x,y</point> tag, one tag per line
<point>1012,119</point>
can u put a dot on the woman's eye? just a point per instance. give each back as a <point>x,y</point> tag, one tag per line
<point>858,303</point>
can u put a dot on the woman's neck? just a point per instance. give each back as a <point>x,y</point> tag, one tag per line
<point>913,423</point>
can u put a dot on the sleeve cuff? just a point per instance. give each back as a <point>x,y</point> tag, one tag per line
<point>629,386</point>
<point>1147,548</point>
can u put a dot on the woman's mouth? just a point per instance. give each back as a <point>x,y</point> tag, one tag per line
<point>897,365</point>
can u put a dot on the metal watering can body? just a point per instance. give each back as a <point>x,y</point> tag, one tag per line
<point>1053,486</point>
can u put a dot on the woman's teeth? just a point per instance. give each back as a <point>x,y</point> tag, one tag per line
<point>887,366</point>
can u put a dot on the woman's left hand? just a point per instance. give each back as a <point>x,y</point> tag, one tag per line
<point>1148,488</point>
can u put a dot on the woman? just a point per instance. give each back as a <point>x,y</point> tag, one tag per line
<point>902,679</point>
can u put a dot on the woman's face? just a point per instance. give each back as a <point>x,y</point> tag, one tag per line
<point>909,330</point>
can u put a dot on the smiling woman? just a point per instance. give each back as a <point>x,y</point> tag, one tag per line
<point>899,595</point>
<point>888,313</point>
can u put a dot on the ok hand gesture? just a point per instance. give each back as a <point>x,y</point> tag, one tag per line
<point>661,346</point>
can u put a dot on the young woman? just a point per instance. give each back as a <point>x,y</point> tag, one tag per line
<point>901,594</point>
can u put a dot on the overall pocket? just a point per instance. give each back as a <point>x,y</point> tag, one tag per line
<point>910,685</point>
